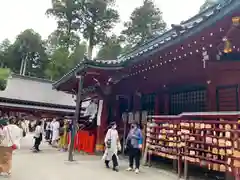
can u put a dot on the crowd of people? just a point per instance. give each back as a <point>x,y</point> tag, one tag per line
<point>55,132</point>
<point>13,129</point>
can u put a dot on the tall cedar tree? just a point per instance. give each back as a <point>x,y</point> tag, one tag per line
<point>98,19</point>
<point>111,49</point>
<point>67,14</point>
<point>144,22</point>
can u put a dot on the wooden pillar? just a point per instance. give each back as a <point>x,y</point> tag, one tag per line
<point>211,97</point>
<point>136,102</point>
<point>102,126</point>
<point>166,103</point>
<point>157,108</point>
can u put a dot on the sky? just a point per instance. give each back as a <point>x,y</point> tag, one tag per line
<point>18,15</point>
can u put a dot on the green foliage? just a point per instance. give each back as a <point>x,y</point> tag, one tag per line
<point>98,18</point>
<point>111,49</point>
<point>28,48</point>
<point>144,21</point>
<point>67,13</point>
<point>77,55</point>
<point>4,74</point>
<point>61,61</point>
<point>58,64</point>
<point>93,18</point>
<point>4,56</point>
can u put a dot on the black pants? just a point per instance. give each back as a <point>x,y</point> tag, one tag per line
<point>50,137</point>
<point>134,155</point>
<point>48,134</point>
<point>37,143</point>
<point>114,160</point>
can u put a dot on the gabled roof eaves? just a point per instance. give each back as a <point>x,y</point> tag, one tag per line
<point>97,64</point>
<point>171,34</point>
<point>190,27</point>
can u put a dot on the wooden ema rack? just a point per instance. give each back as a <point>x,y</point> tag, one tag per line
<point>214,144</point>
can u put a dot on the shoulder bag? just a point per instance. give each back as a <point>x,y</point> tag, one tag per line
<point>14,146</point>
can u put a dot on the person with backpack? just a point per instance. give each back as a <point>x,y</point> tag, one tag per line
<point>112,146</point>
<point>134,146</point>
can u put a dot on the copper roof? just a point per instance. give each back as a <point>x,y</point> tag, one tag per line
<point>35,90</point>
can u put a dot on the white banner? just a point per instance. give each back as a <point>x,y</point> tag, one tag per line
<point>99,114</point>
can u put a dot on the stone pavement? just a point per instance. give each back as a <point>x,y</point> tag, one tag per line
<point>51,164</point>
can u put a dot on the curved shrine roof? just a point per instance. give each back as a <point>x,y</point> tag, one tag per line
<point>177,34</point>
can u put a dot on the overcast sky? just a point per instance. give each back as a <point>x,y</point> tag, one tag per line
<point>18,15</point>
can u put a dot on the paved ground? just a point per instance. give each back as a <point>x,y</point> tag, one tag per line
<point>52,165</point>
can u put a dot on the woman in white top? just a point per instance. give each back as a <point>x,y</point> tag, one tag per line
<point>11,137</point>
<point>112,145</point>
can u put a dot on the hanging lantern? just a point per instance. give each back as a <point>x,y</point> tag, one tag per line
<point>236,21</point>
<point>227,46</point>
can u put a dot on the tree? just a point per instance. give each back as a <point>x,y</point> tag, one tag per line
<point>111,49</point>
<point>4,74</point>
<point>98,18</point>
<point>58,64</point>
<point>27,54</point>
<point>77,55</point>
<point>143,22</point>
<point>67,14</point>
<point>61,60</point>
<point>4,47</point>
<point>208,4</point>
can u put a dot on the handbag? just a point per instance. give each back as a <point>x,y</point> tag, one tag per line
<point>14,146</point>
<point>109,141</point>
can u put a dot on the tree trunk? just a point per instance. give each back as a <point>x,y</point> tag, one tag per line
<point>21,68</point>
<point>90,49</point>
<point>24,66</point>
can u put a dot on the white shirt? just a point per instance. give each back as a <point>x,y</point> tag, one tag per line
<point>48,127</point>
<point>51,125</point>
<point>38,131</point>
<point>91,110</point>
<point>12,135</point>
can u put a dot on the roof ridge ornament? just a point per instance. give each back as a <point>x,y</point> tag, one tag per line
<point>178,28</point>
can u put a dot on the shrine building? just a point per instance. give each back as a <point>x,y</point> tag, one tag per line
<point>29,95</point>
<point>193,67</point>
